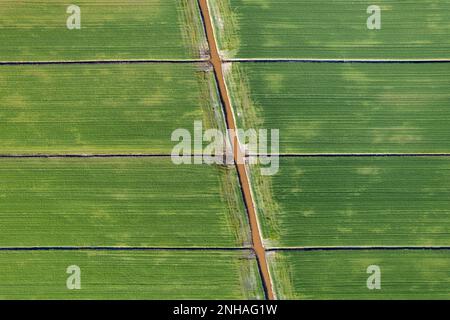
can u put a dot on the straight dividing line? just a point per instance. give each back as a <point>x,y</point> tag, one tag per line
<point>68,62</point>
<point>216,62</point>
<point>358,248</point>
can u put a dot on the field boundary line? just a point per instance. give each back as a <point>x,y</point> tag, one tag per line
<point>244,180</point>
<point>357,248</point>
<point>293,60</point>
<point>62,62</point>
<point>113,248</point>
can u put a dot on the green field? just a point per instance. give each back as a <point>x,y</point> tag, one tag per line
<point>354,201</point>
<point>342,274</point>
<point>130,275</point>
<point>103,109</point>
<point>35,30</point>
<point>345,108</point>
<point>312,29</point>
<point>119,202</point>
<point>86,124</point>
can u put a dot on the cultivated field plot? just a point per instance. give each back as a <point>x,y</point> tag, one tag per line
<point>103,109</point>
<point>355,201</point>
<point>119,202</point>
<point>36,30</point>
<point>311,29</point>
<point>345,108</point>
<point>406,274</point>
<point>131,275</point>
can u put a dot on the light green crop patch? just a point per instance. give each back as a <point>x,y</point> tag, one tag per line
<point>311,29</point>
<point>355,201</point>
<point>130,275</point>
<point>37,30</point>
<point>403,274</point>
<point>104,109</point>
<point>119,202</point>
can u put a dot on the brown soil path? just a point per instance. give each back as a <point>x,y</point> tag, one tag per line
<point>216,61</point>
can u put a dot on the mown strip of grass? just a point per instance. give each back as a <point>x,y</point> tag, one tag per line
<point>130,275</point>
<point>355,201</point>
<point>35,30</point>
<point>119,202</point>
<point>308,29</point>
<point>338,275</point>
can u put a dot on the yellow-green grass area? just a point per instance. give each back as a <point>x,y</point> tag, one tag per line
<point>405,274</point>
<point>104,108</point>
<point>36,30</point>
<point>131,275</point>
<point>355,201</point>
<point>311,29</point>
<point>345,108</point>
<point>119,202</point>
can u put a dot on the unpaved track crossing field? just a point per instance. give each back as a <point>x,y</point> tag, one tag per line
<point>87,179</point>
